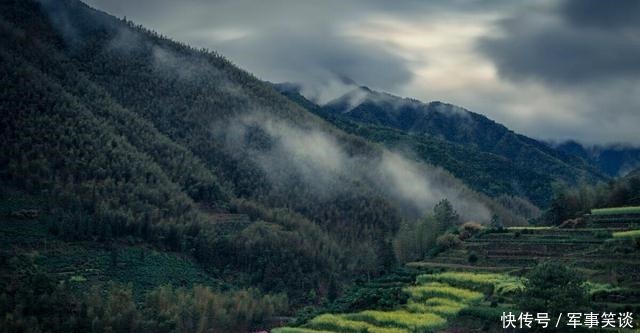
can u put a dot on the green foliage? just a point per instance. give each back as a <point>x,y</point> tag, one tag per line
<point>125,144</point>
<point>473,258</point>
<point>31,301</point>
<point>448,241</point>
<point>436,289</point>
<point>445,216</point>
<point>596,289</point>
<point>553,288</point>
<point>400,318</point>
<point>469,229</point>
<point>296,330</point>
<point>414,240</point>
<point>202,310</point>
<point>622,195</point>
<point>627,234</point>
<point>616,210</point>
<point>444,307</point>
<point>374,297</point>
<point>495,223</point>
<point>500,284</point>
<point>338,323</point>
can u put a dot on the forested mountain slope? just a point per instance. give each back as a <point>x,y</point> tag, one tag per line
<point>489,157</point>
<point>129,134</point>
<point>614,160</point>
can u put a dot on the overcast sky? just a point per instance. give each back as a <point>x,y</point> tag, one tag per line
<point>552,70</point>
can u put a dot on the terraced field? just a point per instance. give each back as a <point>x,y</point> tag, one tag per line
<point>616,210</point>
<point>461,295</point>
<point>435,300</point>
<point>606,249</point>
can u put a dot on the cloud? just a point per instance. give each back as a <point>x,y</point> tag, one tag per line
<point>568,46</point>
<point>601,14</point>
<point>551,70</point>
<point>293,41</point>
<point>319,60</point>
<point>295,155</point>
<point>576,62</point>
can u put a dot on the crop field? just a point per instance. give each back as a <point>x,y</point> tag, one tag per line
<point>503,284</point>
<point>296,330</point>
<point>627,234</point>
<point>441,306</point>
<point>530,228</point>
<point>603,249</point>
<point>432,305</point>
<point>339,323</point>
<point>400,318</point>
<point>616,210</point>
<point>436,289</point>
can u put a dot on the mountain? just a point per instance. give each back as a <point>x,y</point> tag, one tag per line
<point>489,157</point>
<point>633,174</point>
<point>613,160</point>
<point>119,139</point>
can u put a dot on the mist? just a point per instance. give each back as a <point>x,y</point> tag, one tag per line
<point>320,160</point>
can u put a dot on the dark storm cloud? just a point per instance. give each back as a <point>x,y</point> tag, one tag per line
<point>317,58</point>
<point>280,41</point>
<point>292,40</point>
<point>548,69</point>
<point>579,42</point>
<point>603,14</point>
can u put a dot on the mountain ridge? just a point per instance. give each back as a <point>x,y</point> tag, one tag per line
<point>615,159</point>
<point>449,126</point>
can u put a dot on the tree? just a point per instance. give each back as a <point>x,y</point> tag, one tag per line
<point>445,216</point>
<point>553,288</point>
<point>496,224</point>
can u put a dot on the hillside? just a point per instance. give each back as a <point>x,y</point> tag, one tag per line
<point>117,139</point>
<point>613,160</point>
<point>473,283</point>
<point>489,157</point>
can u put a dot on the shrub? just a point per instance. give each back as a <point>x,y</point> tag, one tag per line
<point>473,258</point>
<point>602,234</point>
<point>469,229</point>
<point>448,241</point>
<point>553,288</point>
<point>496,223</point>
